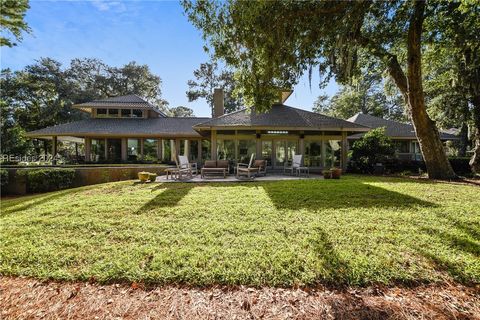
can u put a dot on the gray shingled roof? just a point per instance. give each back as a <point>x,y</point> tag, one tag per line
<point>281,116</point>
<point>392,128</point>
<point>128,101</point>
<point>168,127</point>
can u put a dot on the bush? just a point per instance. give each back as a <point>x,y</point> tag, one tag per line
<point>3,178</point>
<point>461,165</point>
<point>374,147</point>
<point>43,180</point>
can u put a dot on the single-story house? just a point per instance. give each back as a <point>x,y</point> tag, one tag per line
<point>402,134</point>
<point>128,128</point>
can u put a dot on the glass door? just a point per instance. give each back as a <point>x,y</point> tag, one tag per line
<point>284,152</point>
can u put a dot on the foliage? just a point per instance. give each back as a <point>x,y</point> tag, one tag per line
<point>331,35</point>
<point>3,178</point>
<point>44,180</point>
<point>181,111</point>
<point>208,77</point>
<point>374,147</point>
<point>12,21</point>
<point>42,94</point>
<point>352,231</point>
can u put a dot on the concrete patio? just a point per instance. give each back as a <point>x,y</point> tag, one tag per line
<point>232,178</point>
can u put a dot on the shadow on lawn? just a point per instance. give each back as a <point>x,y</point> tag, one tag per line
<point>21,204</point>
<point>170,196</point>
<point>339,194</point>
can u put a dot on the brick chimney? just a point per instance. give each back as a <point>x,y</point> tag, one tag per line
<point>218,101</point>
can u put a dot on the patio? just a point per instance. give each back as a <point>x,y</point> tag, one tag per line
<point>232,178</point>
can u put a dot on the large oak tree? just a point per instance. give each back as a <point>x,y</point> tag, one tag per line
<point>272,43</point>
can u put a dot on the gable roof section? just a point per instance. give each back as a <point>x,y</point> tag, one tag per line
<point>105,127</point>
<point>392,128</point>
<point>128,101</point>
<point>280,116</point>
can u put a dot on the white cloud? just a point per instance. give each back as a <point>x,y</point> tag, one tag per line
<point>105,5</point>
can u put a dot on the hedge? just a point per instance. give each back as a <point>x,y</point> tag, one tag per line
<point>3,178</point>
<point>44,180</point>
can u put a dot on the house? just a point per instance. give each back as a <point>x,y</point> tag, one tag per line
<point>128,128</point>
<point>402,134</point>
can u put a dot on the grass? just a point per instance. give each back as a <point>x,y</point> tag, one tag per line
<point>353,231</point>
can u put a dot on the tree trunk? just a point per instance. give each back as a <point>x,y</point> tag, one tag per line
<point>436,161</point>
<point>463,143</point>
<point>475,160</point>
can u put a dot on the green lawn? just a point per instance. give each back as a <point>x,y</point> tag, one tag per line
<point>357,231</point>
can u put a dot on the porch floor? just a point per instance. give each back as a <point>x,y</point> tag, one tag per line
<point>232,178</point>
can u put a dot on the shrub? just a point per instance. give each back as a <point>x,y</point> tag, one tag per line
<point>43,180</point>
<point>461,165</point>
<point>3,178</point>
<point>374,147</point>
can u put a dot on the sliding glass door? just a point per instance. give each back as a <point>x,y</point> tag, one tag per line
<point>284,151</point>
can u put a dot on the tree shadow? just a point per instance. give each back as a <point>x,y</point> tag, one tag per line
<point>337,194</point>
<point>36,200</point>
<point>455,241</point>
<point>171,195</point>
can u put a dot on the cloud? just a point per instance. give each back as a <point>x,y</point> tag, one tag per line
<point>105,5</point>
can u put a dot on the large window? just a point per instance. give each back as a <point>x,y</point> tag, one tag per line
<point>168,151</point>
<point>333,153</point>
<point>402,146</point>
<point>97,150</point>
<point>226,150</point>
<point>133,149</point>
<point>126,113</point>
<point>101,113</point>
<point>267,152</point>
<point>114,151</point>
<point>193,150</point>
<point>113,113</point>
<point>313,154</point>
<point>284,151</point>
<point>150,150</point>
<point>206,150</point>
<point>137,113</point>
<point>245,150</point>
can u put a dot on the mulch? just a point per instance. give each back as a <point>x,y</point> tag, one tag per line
<point>24,298</point>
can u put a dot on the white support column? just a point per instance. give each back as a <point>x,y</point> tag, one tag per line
<point>106,149</point>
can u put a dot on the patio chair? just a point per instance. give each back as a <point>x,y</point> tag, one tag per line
<point>262,167</point>
<point>184,167</point>
<point>296,163</point>
<point>247,170</point>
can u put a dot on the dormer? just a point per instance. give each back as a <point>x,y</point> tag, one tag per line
<point>129,106</point>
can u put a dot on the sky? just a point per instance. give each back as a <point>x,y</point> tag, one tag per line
<point>155,33</point>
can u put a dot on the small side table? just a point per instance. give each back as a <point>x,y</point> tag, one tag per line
<point>303,170</point>
<point>172,172</point>
<point>194,167</point>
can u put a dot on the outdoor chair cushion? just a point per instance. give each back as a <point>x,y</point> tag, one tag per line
<point>259,163</point>
<point>210,164</point>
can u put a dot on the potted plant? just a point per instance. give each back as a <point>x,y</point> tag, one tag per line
<point>327,174</point>
<point>336,172</point>
<point>152,177</point>
<point>143,176</point>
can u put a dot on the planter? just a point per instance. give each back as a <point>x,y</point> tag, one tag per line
<point>152,177</point>
<point>336,173</point>
<point>327,174</point>
<point>143,176</point>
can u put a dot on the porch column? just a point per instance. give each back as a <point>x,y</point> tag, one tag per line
<point>173,148</point>
<point>54,149</point>
<point>186,150</point>
<point>124,149</point>
<point>324,153</point>
<point>213,144</point>
<point>259,145</point>
<point>199,150</point>
<point>159,149</point>
<point>106,149</point>
<point>344,150</point>
<point>88,148</point>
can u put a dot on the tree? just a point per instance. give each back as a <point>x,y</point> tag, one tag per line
<point>207,78</point>
<point>12,21</point>
<point>322,105</point>
<point>374,147</point>
<point>181,111</point>
<point>330,35</point>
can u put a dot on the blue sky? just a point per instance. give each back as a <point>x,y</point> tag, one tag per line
<point>155,33</point>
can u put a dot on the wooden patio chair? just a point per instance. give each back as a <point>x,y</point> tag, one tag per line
<point>184,167</point>
<point>247,170</point>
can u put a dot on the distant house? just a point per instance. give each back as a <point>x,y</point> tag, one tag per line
<point>402,134</point>
<point>128,128</point>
